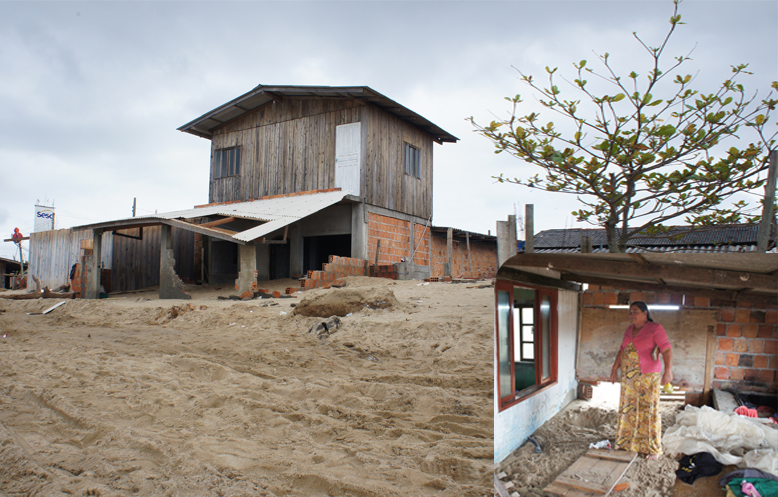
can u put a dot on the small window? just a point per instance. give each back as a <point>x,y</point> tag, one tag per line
<point>226,162</point>
<point>412,161</point>
<point>526,341</point>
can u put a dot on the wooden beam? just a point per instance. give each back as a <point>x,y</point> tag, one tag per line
<point>705,276</point>
<point>511,274</point>
<point>743,294</point>
<point>17,240</point>
<point>215,233</point>
<point>710,355</point>
<point>218,222</point>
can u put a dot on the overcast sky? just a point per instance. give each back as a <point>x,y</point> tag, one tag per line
<point>91,93</point>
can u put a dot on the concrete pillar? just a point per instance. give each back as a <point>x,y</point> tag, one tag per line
<point>246,284</point>
<point>506,240</point>
<point>529,228</point>
<point>262,264</point>
<point>170,285</point>
<point>93,267</point>
<point>296,252</point>
<point>359,231</point>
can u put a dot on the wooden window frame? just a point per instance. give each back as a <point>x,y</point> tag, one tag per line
<point>540,383</point>
<point>233,167</point>
<point>412,160</point>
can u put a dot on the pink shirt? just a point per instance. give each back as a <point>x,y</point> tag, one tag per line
<point>649,335</point>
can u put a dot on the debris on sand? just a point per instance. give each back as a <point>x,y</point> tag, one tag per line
<point>326,328</point>
<point>346,301</point>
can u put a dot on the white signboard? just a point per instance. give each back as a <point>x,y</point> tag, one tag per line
<point>44,218</point>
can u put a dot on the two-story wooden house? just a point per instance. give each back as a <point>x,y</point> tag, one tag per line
<point>284,140</point>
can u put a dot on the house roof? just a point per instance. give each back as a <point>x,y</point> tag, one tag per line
<point>744,277</point>
<point>250,220</point>
<point>714,239</point>
<point>205,125</point>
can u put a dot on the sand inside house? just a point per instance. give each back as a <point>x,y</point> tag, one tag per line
<point>139,396</point>
<point>567,436</point>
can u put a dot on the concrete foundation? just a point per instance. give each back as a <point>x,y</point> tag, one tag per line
<point>410,271</point>
<point>170,285</point>
<point>246,284</point>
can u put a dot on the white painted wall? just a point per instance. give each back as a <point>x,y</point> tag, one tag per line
<point>515,424</point>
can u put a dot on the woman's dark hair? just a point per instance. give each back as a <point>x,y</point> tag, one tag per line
<point>643,308</point>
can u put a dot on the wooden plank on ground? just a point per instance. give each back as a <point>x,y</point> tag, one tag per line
<point>593,474</point>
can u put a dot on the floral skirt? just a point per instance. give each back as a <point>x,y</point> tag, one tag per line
<point>640,423</point>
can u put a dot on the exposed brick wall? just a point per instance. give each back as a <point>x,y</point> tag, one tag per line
<point>747,335</point>
<point>333,271</point>
<point>483,254</point>
<point>395,236</point>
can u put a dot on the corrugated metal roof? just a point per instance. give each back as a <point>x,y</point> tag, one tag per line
<point>732,238</point>
<point>274,213</point>
<point>205,125</point>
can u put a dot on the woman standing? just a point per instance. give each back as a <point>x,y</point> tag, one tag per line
<point>640,424</point>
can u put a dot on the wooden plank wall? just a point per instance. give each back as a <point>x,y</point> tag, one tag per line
<point>287,146</point>
<point>52,253</point>
<point>383,175</point>
<point>136,262</point>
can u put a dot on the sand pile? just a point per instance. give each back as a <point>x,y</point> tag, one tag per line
<point>341,302</point>
<point>135,395</point>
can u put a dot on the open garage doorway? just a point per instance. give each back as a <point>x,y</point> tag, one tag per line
<point>318,249</point>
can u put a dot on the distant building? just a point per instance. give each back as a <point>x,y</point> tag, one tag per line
<point>679,239</point>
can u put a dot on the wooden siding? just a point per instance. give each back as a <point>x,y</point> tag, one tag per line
<point>289,146</point>
<point>286,146</point>
<point>136,262</point>
<point>384,179</point>
<point>53,253</point>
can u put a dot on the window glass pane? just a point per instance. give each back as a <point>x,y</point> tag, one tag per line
<point>529,351</point>
<point>503,342</point>
<point>517,340</point>
<point>528,315</point>
<point>217,164</point>
<point>528,333</point>
<point>237,161</point>
<point>545,317</point>
<point>225,163</point>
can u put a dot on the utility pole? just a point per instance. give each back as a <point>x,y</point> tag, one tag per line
<point>767,208</point>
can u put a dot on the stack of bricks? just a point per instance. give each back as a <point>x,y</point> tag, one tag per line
<point>384,271</point>
<point>746,356</point>
<point>332,273</point>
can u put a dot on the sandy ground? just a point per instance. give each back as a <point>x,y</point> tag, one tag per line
<point>137,396</point>
<point>567,436</point>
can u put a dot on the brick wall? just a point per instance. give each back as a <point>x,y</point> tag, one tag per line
<point>747,335</point>
<point>395,236</point>
<point>483,254</point>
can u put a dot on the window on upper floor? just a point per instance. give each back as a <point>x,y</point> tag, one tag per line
<point>226,162</point>
<point>412,160</point>
<point>526,330</point>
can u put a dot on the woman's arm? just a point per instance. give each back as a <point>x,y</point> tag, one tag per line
<point>616,366</point>
<point>667,355</point>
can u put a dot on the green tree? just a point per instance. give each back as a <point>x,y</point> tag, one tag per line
<point>635,159</point>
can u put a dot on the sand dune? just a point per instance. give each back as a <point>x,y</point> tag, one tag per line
<point>137,396</point>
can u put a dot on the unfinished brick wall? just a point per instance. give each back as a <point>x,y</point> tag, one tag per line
<point>483,254</point>
<point>747,335</point>
<point>395,236</point>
